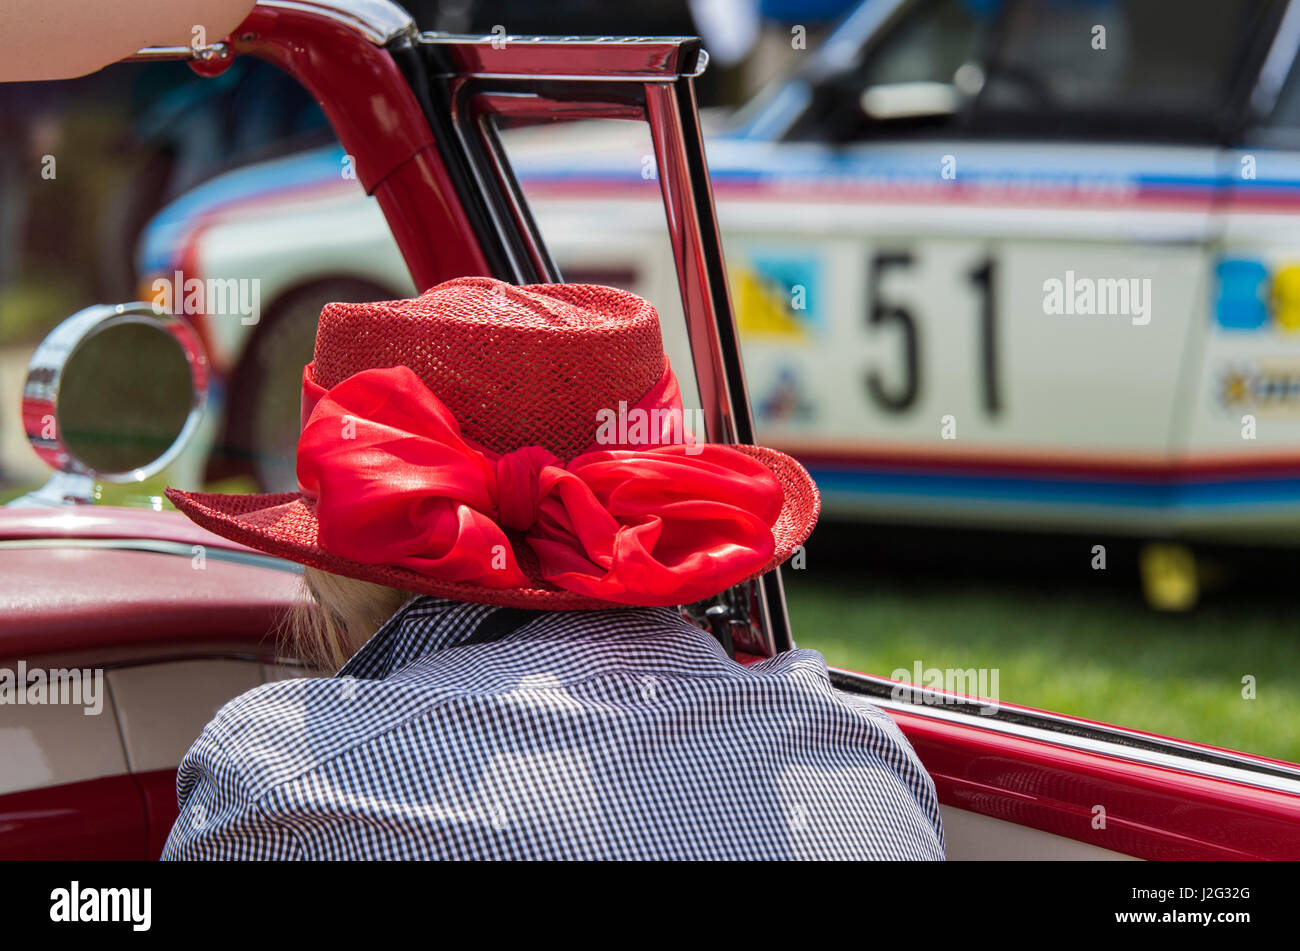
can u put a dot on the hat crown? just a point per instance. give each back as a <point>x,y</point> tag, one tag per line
<point>518,366</point>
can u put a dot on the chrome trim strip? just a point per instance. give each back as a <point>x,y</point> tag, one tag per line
<point>203,653</point>
<point>159,53</point>
<point>155,546</point>
<point>1061,731</point>
<point>431,38</point>
<point>582,77</point>
<point>516,203</point>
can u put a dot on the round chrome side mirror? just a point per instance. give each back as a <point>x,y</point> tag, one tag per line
<point>112,395</point>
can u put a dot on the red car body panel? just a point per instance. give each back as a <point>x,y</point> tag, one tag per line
<point>96,820</point>
<point>158,792</point>
<point>1150,812</point>
<point>108,522</point>
<point>84,597</point>
<point>378,121</point>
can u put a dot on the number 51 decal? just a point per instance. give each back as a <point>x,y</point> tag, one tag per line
<point>900,398</point>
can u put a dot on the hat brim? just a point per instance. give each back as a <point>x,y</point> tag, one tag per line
<point>285,525</point>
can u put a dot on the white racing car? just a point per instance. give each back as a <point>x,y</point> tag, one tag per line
<point>1010,263</point>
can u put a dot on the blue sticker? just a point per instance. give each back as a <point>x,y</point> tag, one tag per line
<point>1240,303</point>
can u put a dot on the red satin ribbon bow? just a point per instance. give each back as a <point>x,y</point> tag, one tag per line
<point>396,483</point>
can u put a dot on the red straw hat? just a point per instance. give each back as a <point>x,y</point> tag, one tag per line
<point>520,446</point>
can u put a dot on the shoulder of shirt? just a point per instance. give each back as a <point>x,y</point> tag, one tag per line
<point>281,730</point>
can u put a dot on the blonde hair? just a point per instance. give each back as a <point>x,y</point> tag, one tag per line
<point>335,616</point>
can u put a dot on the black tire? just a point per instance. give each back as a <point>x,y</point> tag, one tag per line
<point>263,400</point>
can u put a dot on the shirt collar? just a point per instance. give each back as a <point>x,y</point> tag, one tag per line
<point>420,626</point>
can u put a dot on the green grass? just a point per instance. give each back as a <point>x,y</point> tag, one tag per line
<point>1100,656</point>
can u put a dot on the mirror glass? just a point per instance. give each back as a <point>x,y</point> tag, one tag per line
<point>124,397</point>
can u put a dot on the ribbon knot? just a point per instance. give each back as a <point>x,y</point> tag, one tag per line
<point>395,483</point>
<point>519,496</point>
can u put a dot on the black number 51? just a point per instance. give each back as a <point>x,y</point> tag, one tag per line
<point>903,396</point>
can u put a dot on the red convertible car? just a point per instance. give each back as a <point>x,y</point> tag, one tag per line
<point>122,630</point>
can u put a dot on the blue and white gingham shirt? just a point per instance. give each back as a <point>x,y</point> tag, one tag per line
<point>622,734</point>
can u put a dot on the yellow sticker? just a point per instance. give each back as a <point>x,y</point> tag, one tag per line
<point>1286,297</point>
